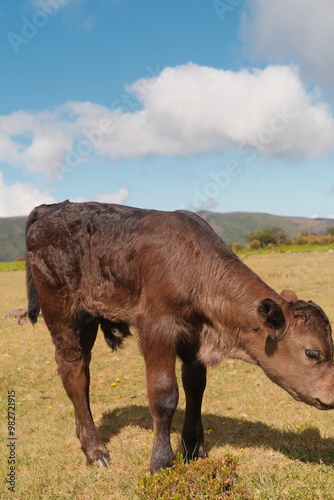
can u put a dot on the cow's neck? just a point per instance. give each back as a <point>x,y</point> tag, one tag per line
<point>231,313</point>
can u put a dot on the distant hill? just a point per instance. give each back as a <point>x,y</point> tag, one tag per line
<point>232,227</point>
<point>12,244</point>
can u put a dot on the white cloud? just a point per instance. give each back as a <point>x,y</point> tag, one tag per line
<point>34,141</point>
<point>20,198</point>
<point>184,111</point>
<point>118,197</point>
<point>299,31</point>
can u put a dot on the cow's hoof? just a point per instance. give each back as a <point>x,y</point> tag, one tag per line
<point>102,461</point>
<point>194,453</point>
<point>202,454</point>
<point>161,463</point>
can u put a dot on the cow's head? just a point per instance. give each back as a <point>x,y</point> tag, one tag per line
<point>297,353</point>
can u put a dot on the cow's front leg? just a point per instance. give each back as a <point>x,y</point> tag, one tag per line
<point>194,382</point>
<point>73,358</point>
<point>163,398</point>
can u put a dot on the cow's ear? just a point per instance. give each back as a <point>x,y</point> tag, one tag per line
<point>289,295</point>
<point>272,315</point>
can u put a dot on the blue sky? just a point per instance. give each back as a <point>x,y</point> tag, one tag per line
<point>219,105</point>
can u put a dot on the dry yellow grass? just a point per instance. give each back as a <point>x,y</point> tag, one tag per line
<point>285,448</point>
<point>309,274</point>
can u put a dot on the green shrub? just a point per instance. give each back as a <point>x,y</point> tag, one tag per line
<point>267,236</point>
<point>254,244</point>
<point>208,479</point>
<point>314,239</point>
<point>301,240</point>
<point>236,247</point>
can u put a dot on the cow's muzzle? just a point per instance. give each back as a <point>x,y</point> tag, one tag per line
<point>323,406</point>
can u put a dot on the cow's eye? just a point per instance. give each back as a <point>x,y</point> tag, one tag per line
<point>313,354</point>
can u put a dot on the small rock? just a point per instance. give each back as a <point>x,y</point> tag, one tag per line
<point>20,315</point>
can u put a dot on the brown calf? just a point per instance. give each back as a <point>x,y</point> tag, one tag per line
<point>187,294</point>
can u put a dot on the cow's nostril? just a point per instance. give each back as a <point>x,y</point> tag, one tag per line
<point>324,406</point>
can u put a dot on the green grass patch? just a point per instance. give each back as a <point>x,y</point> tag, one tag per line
<point>213,479</point>
<point>19,265</point>
<point>246,252</point>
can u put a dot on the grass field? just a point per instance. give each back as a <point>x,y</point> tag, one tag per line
<point>285,449</point>
<point>19,265</point>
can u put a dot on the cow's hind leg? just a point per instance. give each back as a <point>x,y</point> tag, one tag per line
<point>73,353</point>
<point>194,382</point>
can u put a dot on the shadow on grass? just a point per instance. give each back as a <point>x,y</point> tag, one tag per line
<point>305,445</point>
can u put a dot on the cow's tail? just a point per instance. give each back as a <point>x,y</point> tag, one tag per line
<point>114,332</point>
<point>33,300</point>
